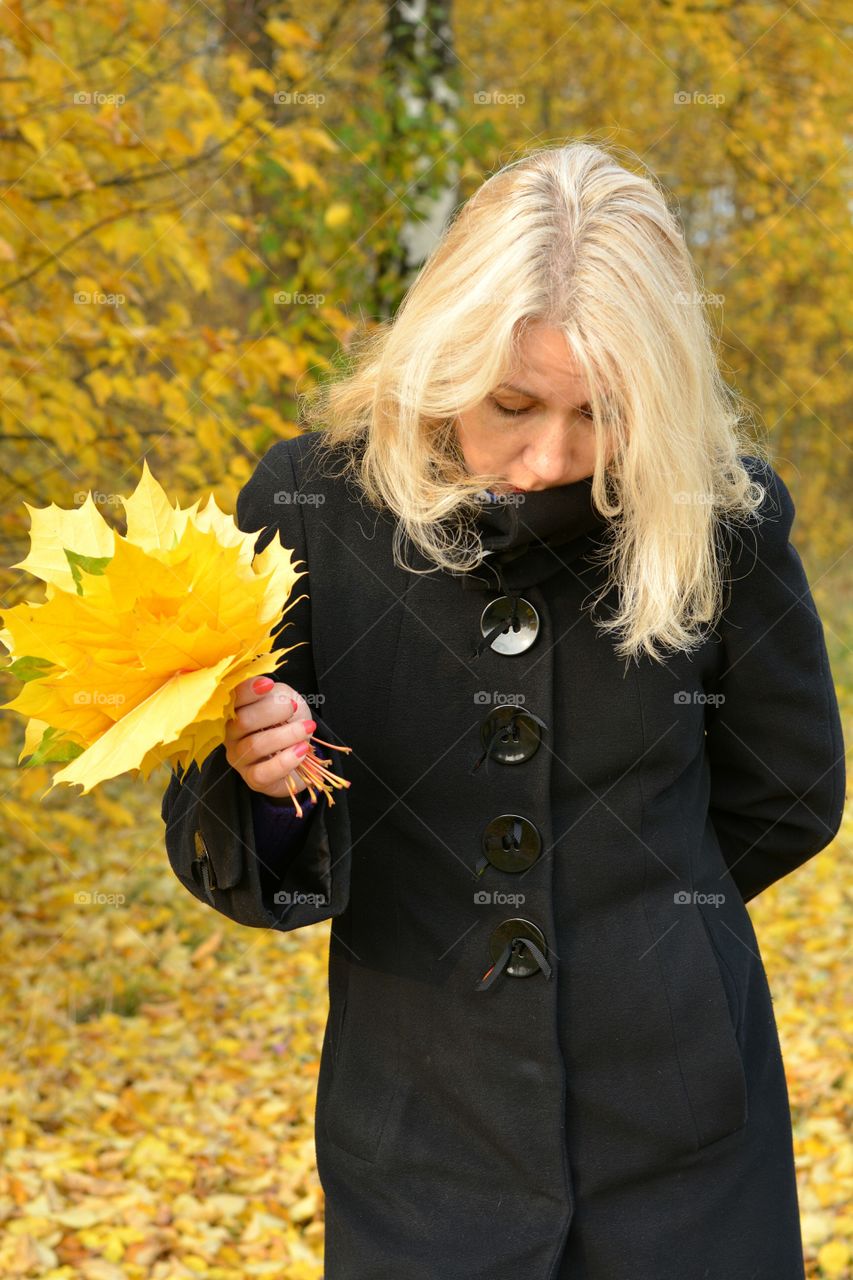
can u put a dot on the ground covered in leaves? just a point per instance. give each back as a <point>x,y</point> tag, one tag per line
<point>159,1063</point>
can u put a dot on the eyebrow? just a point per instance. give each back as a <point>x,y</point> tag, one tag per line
<point>508,386</point>
<point>520,390</point>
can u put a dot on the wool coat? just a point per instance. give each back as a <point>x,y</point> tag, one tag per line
<point>551,1049</point>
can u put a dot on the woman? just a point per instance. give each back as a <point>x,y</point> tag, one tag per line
<point>591,716</point>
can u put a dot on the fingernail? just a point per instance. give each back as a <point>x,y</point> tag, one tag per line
<point>302,749</point>
<point>309,725</point>
<point>294,703</point>
<point>263,684</point>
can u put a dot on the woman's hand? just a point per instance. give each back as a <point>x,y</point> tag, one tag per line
<point>267,735</point>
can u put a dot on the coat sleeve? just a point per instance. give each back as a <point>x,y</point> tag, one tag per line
<point>208,812</point>
<point>774,738</point>
<point>279,834</point>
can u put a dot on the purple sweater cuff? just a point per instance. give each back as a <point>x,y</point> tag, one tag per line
<point>272,806</point>
<point>277,826</point>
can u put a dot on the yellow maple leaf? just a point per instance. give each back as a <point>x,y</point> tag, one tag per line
<point>133,658</point>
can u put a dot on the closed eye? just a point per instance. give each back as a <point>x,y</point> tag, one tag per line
<point>510,413</point>
<point>585,410</point>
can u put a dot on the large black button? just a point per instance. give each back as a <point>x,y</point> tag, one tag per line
<point>521,963</point>
<point>511,843</point>
<point>518,632</point>
<point>510,735</point>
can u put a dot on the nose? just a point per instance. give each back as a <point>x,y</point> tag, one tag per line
<point>551,455</point>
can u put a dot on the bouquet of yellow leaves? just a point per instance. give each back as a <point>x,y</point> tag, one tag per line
<point>133,658</point>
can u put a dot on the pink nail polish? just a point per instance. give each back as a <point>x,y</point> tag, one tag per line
<point>302,749</point>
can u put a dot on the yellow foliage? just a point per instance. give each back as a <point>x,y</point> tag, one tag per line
<point>149,635</point>
<point>287,33</point>
<point>180,212</point>
<point>834,1259</point>
<point>337,215</point>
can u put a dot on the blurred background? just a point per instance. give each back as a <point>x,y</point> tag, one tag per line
<point>202,203</point>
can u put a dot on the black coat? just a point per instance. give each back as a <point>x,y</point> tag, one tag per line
<point>551,1050</point>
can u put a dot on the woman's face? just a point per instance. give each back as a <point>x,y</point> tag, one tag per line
<point>535,430</point>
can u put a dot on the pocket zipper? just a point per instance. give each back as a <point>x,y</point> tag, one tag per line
<point>202,859</point>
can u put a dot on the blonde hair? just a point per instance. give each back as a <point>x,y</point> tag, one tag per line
<point>568,236</point>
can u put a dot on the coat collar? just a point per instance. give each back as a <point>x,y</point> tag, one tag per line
<point>527,537</point>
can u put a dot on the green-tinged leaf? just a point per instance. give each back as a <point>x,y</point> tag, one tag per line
<point>91,564</point>
<point>54,748</point>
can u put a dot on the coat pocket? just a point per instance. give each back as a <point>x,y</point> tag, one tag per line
<point>705,1009</point>
<point>727,978</point>
<point>365,1064</point>
<point>204,827</point>
<point>337,1026</point>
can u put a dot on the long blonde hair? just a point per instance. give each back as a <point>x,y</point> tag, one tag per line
<point>569,236</point>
